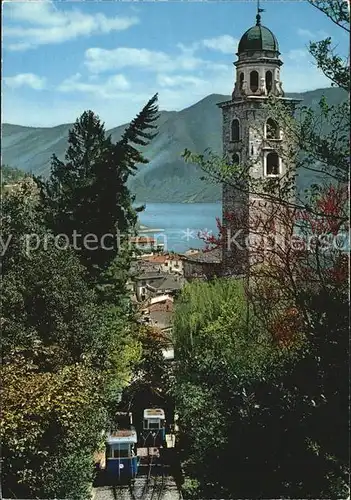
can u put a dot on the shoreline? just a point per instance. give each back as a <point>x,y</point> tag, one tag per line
<point>179,203</point>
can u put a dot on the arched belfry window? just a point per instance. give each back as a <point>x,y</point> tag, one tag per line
<point>241,81</point>
<point>269,81</point>
<point>235,131</point>
<point>272,164</point>
<point>272,129</point>
<point>254,81</point>
<point>236,159</point>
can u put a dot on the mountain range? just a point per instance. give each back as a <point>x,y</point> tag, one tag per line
<point>167,178</point>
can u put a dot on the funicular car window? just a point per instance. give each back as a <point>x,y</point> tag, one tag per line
<point>154,423</point>
<point>121,451</point>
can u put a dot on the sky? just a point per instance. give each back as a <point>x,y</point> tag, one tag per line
<point>64,57</point>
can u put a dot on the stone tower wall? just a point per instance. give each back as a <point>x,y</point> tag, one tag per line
<point>252,148</point>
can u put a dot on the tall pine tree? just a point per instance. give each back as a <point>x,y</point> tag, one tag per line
<point>87,197</point>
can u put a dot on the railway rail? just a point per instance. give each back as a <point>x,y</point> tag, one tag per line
<point>136,464</point>
<point>154,482</point>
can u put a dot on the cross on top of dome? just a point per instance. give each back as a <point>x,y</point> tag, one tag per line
<point>258,16</point>
<point>258,37</point>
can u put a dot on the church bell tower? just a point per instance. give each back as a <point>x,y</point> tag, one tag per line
<point>250,137</point>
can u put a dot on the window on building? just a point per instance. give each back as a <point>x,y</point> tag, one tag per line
<point>236,159</point>
<point>269,81</point>
<point>254,81</point>
<point>272,164</point>
<point>272,129</point>
<point>241,81</point>
<point>235,130</point>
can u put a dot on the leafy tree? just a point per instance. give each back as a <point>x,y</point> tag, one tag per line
<point>49,427</point>
<point>332,65</point>
<point>64,357</point>
<point>11,174</point>
<point>69,335</point>
<point>34,270</point>
<point>152,378</point>
<point>247,403</point>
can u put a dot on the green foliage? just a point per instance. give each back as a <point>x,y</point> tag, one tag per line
<point>69,333</point>
<point>247,407</point>
<point>190,487</point>
<point>50,417</point>
<point>57,356</point>
<point>88,194</point>
<point>333,65</point>
<point>45,297</point>
<point>201,303</point>
<point>152,377</point>
<point>11,175</point>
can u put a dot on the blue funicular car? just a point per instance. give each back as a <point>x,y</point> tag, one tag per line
<point>121,451</point>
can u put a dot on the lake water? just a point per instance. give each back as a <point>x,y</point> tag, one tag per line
<point>181,223</point>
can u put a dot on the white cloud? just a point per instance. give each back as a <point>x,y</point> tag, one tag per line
<point>305,33</point>
<point>181,78</point>
<point>297,55</point>
<point>301,75</point>
<point>179,81</point>
<point>310,35</point>
<point>224,43</point>
<point>65,107</point>
<point>25,80</point>
<point>109,89</point>
<point>49,24</point>
<point>99,60</point>
<point>78,93</point>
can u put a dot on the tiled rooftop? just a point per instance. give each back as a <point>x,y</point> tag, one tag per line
<point>211,257</point>
<point>162,258</point>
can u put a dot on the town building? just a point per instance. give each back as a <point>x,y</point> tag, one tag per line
<point>158,312</point>
<point>168,262</point>
<point>149,280</point>
<point>202,264</point>
<point>146,245</point>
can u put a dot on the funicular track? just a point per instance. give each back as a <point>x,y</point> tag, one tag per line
<point>153,482</point>
<point>155,477</point>
<point>151,485</point>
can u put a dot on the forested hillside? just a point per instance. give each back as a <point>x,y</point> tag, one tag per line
<point>167,177</point>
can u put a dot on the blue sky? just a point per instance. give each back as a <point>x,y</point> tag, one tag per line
<point>61,58</point>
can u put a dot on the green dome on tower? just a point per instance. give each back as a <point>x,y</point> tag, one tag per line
<point>258,38</point>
